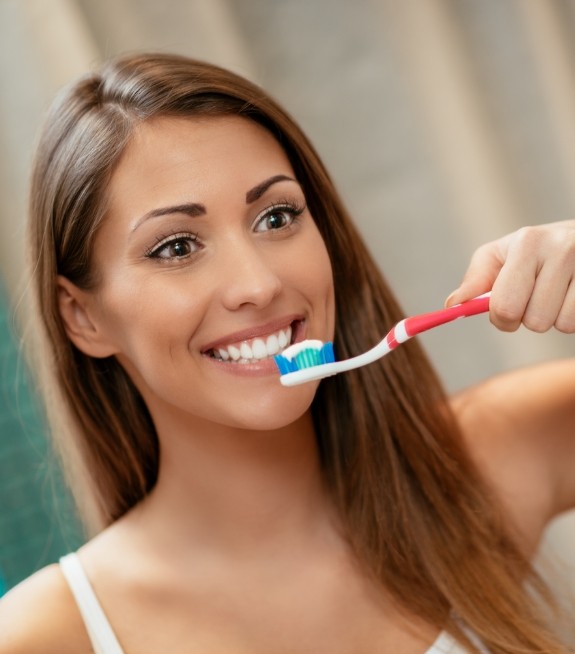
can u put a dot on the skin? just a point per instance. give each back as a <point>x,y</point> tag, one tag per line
<point>239,505</point>
<point>158,315</point>
<point>519,426</point>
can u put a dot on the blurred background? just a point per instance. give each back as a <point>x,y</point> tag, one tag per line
<point>445,123</point>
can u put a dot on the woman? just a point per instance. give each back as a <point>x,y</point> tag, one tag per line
<point>183,230</point>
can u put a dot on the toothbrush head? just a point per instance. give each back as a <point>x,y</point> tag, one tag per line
<point>306,354</point>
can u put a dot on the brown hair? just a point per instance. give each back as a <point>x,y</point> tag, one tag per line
<point>417,512</point>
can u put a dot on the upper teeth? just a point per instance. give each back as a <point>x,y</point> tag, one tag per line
<point>258,348</point>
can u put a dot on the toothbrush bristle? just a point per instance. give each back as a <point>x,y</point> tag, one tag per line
<point>306,358</point>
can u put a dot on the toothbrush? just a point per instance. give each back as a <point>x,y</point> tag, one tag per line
<point>311,359</point>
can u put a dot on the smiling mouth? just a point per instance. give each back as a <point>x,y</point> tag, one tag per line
<point>257,349</point>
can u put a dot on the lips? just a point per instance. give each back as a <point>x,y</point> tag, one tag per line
<point>256,344</point>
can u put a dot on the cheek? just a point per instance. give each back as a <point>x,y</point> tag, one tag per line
<point>152,331</point>
<point>316,277</point>
<point>143,316</point>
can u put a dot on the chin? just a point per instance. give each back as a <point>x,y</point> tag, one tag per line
<point>276,414</point>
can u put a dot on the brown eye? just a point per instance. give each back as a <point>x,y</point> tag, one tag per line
<point>174,248</point>
<point>277,218</point>
<point>177,249</point>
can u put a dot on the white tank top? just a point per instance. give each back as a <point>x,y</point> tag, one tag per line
<point>104,640</point>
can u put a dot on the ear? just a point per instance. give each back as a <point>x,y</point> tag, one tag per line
<point>75,310</point>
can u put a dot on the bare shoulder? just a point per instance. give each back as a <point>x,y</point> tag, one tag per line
<point>520,429</point>
<point>40,616</point>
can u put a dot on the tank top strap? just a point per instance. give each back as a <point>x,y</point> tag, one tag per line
<point>445,644</point>
<point>99,630</point>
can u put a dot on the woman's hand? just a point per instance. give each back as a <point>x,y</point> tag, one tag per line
<point>520,426</point>
<point>531,276</point>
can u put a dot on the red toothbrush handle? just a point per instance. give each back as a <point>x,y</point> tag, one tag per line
<point>418,324</point>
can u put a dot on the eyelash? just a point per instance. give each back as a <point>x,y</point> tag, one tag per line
<point>164,241</point>
<point>293,209</point>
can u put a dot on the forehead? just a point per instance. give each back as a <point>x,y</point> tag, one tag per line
<point>174,160</point>
<point>169,150</point>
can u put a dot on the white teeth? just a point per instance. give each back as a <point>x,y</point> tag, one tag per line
<point>234,352</point>
<point>259,349</point>
<point>245,351</point>
<point>256,349</point>
<point>273,344</point>
<point>283,339</point>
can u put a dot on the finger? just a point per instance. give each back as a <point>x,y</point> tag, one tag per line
<point>565,321</point>
<point>533,280</point>
<point>483,269</point>
<point>510,295</point>
<point>547,298</point>
<point>516,280</point>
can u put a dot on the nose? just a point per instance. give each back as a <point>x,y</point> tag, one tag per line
<point>249,279</point>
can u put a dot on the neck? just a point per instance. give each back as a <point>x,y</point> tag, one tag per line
<point>238,488</point>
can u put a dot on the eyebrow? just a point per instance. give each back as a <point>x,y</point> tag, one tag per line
<point>257,191</point>
<point>192,209</point>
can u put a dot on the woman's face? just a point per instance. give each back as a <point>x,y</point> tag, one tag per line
<point>209,263</point>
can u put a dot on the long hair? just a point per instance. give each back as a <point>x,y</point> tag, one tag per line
<point>417,513</point>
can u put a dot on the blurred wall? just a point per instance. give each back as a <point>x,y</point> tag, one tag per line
<point>446,123</point>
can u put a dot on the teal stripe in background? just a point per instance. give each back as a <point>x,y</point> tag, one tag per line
<point>37,521</point>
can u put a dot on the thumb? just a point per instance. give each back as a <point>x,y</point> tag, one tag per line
<point>484,267</point>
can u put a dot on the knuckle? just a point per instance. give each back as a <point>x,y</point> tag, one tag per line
<point>481,250</point>
<point>505,322</point>
<point>505,326</point>
<point>565,255</point>
<point>505,315</point>
<point>537,323</point>
<point>529,237</point>
<point>565,323</point>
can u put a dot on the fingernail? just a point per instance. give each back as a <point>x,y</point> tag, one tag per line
<point>449,300</point>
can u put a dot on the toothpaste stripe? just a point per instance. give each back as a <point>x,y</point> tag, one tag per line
<point>305,355</point>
